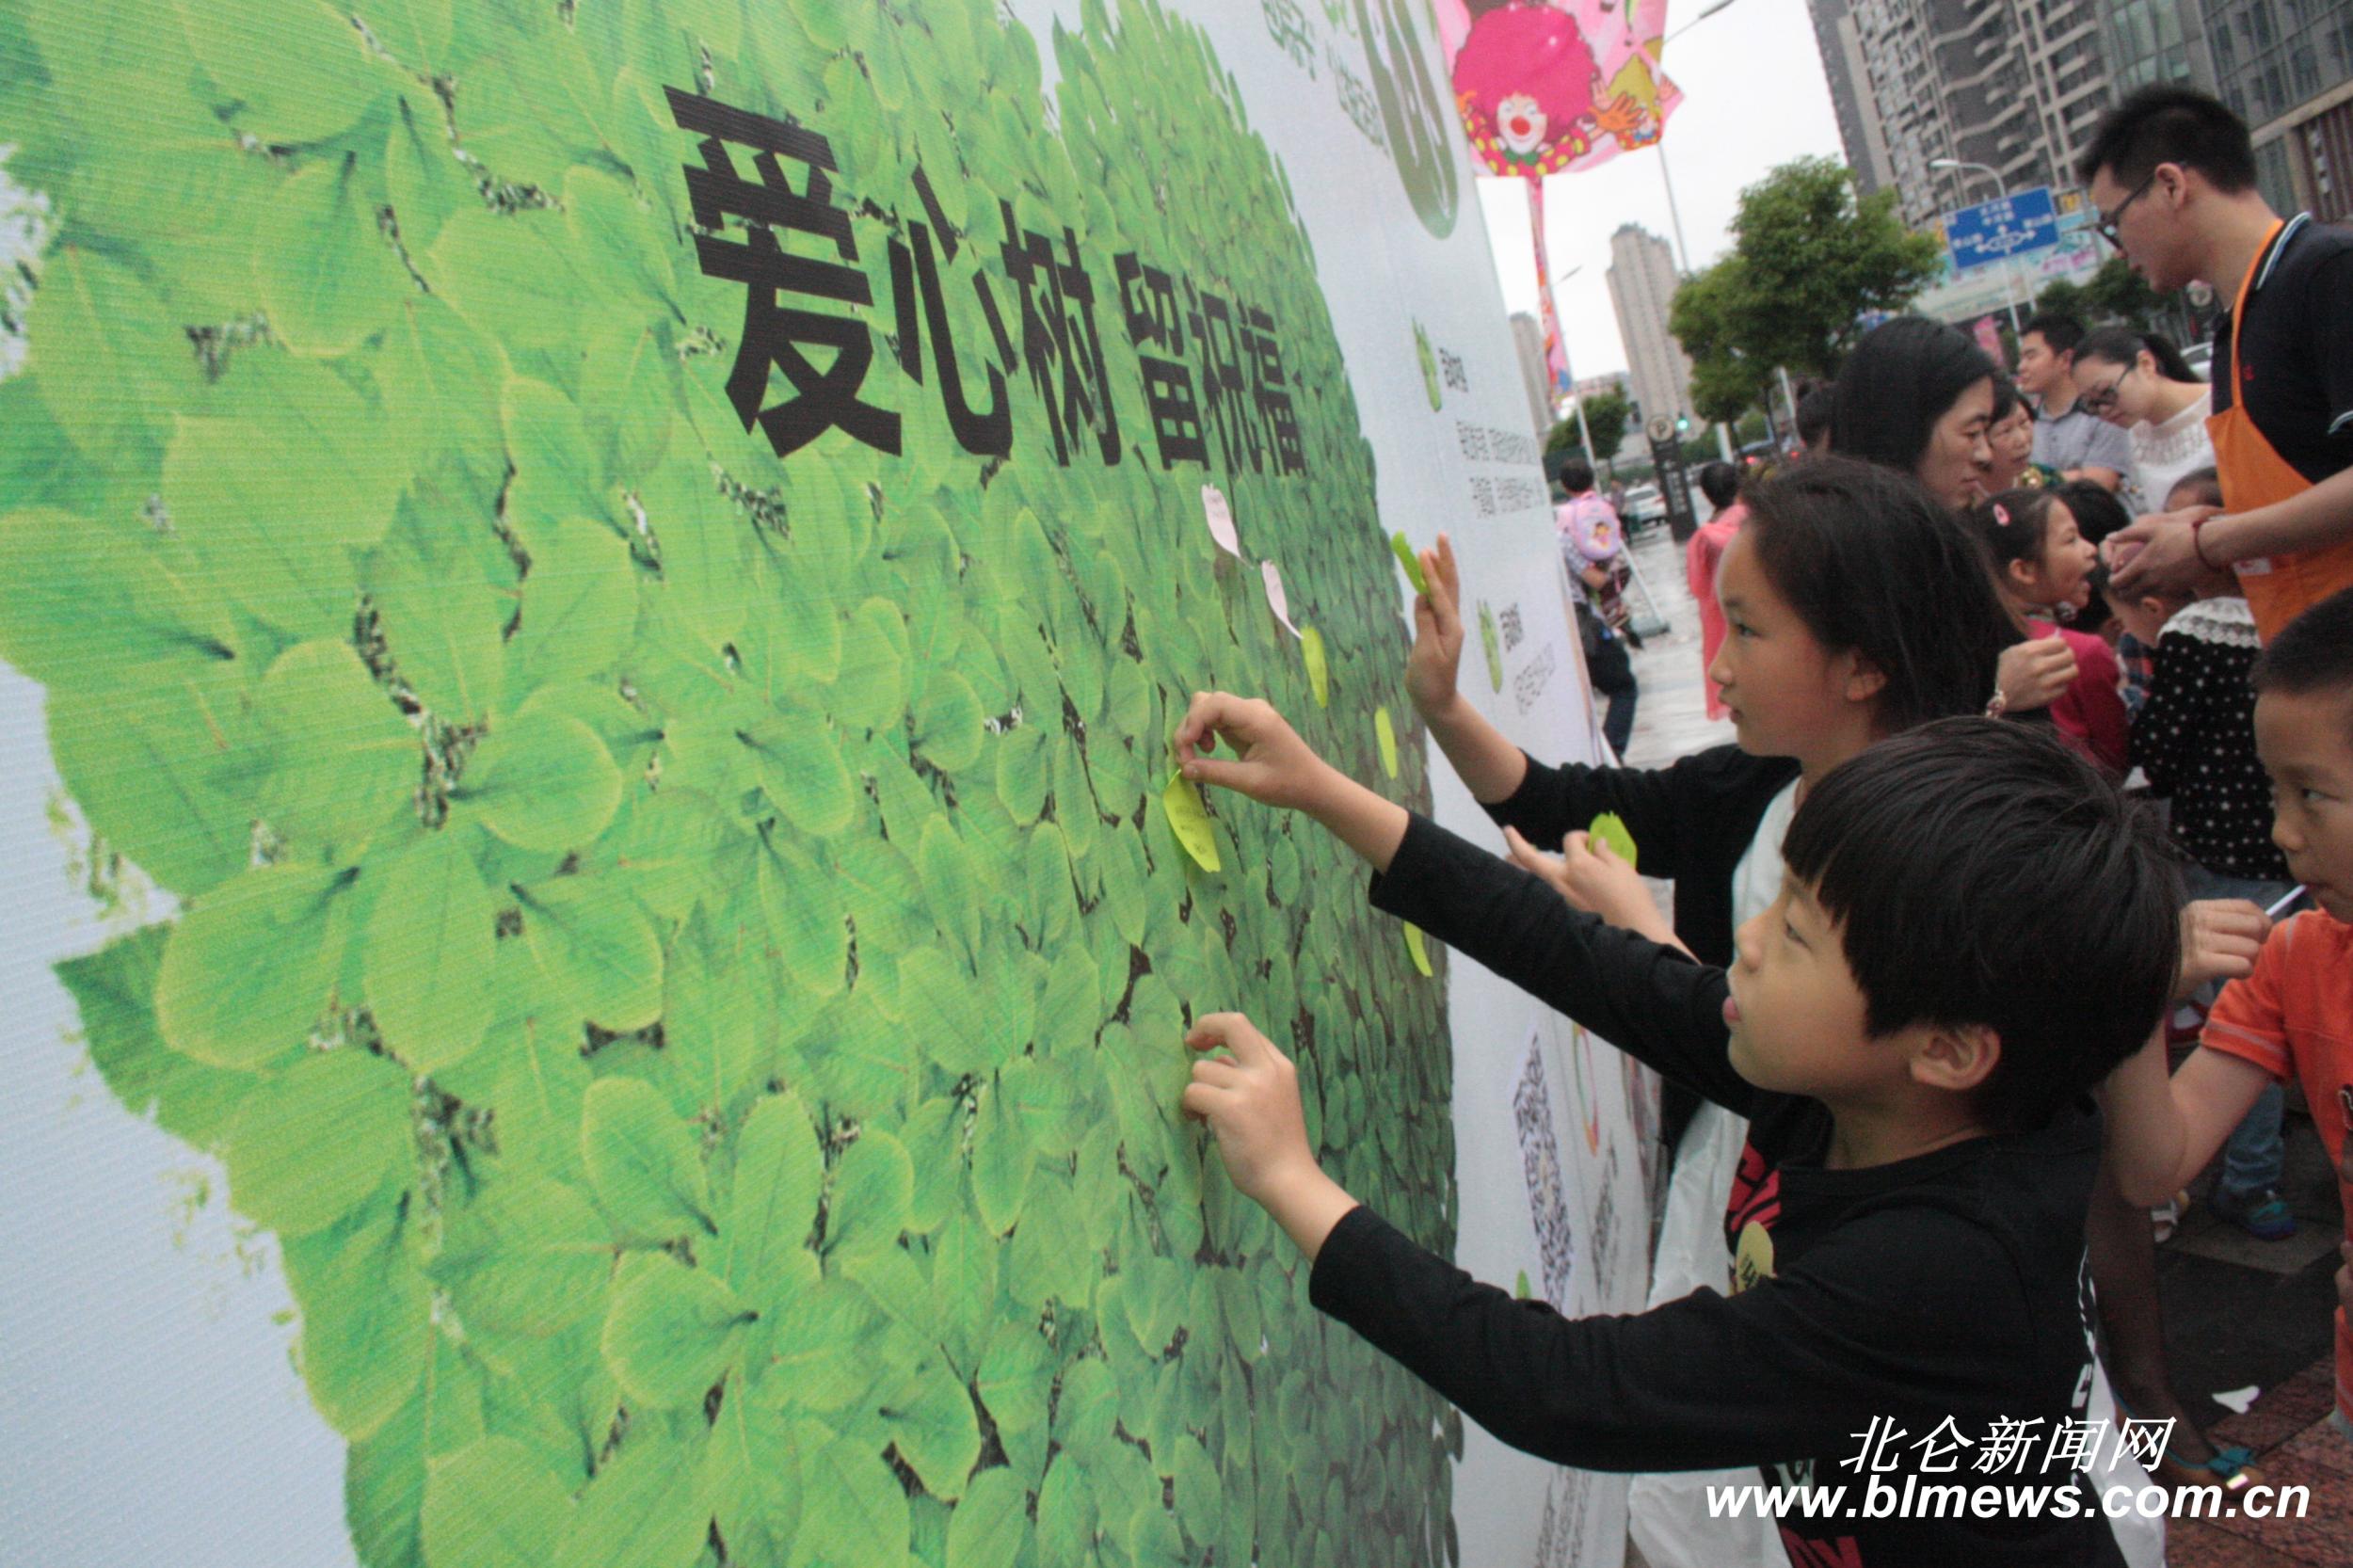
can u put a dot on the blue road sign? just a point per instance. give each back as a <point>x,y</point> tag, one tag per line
<point>1996,231</point>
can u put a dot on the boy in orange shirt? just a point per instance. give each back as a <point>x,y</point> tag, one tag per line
<point>2291,1012</point>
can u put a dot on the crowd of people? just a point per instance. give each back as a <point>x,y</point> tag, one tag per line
<point>2042,785</point>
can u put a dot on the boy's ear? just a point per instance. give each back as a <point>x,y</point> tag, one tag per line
<point>1957,1058</point>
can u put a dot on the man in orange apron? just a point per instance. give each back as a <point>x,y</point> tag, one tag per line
<point>2172,174</point>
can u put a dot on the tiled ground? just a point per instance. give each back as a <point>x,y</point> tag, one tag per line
<point>2238,1312</point>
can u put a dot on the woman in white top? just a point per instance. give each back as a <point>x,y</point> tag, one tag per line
<point>2142,383</point>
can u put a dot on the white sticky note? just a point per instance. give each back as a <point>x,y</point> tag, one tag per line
<point>1276,599</point>
<point>2237,1400</point>
<point>1221,518</point>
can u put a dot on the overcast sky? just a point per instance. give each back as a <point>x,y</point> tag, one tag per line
<point>1754,97</point>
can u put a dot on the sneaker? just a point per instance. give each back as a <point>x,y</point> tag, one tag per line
<point>2264,1215</point>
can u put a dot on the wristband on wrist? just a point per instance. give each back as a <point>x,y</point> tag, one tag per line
<point>2198,545</point>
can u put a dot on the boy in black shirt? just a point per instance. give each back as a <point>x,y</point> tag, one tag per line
<point>1910,1029</point>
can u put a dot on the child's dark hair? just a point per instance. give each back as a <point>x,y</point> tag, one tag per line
<point>2203,487</point>
<point>1720,483</point>
<point>2013,525</point>
<point>1871,562</point>
<point>1958,859</point>
<point>1577,476</point>
<point>1814,412</point>
<point>2312,653</point>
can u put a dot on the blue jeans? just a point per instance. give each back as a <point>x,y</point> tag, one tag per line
<point>2251,1160</point>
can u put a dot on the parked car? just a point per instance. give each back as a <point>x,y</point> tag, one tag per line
<point>1644,504</point>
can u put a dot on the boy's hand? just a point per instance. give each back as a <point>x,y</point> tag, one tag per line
<point>2035,674</point>
<point>1588,875</point>
<point>1436,658</point>
<point>1271,765</point>
<point>1250,1099</point>
<point>1250,1104</point>
<point>2219,940</point>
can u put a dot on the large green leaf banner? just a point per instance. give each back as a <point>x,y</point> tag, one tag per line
<point>628,566</point>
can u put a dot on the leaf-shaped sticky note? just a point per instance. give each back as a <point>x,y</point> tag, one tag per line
<point>1411,561</point>
<point>1492,644</point>
<point>1422,953</point>
<point>494,1503</point>
<point>643,1160</point>
<point>1384,733</point>
<point>672,1332</point>
<point>1277,601</point>
<point>1610,828</point>
<point>1221,518</point>
<point>1190,821</point>
<point>1319,668</point>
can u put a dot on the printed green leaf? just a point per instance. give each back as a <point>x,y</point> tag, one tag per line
<point>948,884</point>
<point>803,907</point>
<point>444,618</point>
<point>931,1422</point>
<point>428,953</point>
<point>312,78</point>
<point>541,781</point>
<point>873,1184</point>
<point>366,1319</point>
<point>248,970</point>
<point>753,1474</point>
<point>595,953</point>
<point>325,268</point>
<point>108,358</point>
<point>641,1161</point>
<point>320,1140</point>
<point>948,722</point>
<point>852,1509</point>
<point>345,758</point>
<point>778,1176</point>
<point>492,1504</point>
<point>1002,1156</point>
<point>528,1255</point>
<point>797,761</point>
<point>819,1347</point>
<point>672,1332</point>
<point>578,604</point>
<point>990,1525</point>
<point>1066,1514</point>
<point>645,1509</point>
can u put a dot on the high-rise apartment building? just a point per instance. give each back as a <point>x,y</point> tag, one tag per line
<point>2013,85</point>
<point>1641,287</point>
<point>2286,66</point>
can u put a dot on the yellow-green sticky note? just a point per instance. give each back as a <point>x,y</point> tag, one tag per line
<point>1190,821</point>
<point>1319,668</point>
<point>1410,561</point>
<point>1493,643</point>
<point>1385,732</point>
<point>1610,828</point>
<point>1414,946</point>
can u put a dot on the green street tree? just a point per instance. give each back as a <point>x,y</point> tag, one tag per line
<point>1706,319</point>
<point>1604,420</point>
<point>1810,257</point>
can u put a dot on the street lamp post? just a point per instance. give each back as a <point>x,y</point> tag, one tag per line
<point>2001,192</point>
<point>1584,433</point>
<point>1666,177</point>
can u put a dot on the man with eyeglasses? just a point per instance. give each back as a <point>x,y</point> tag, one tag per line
<point>2172,173</point>
<point>2069,439</point>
